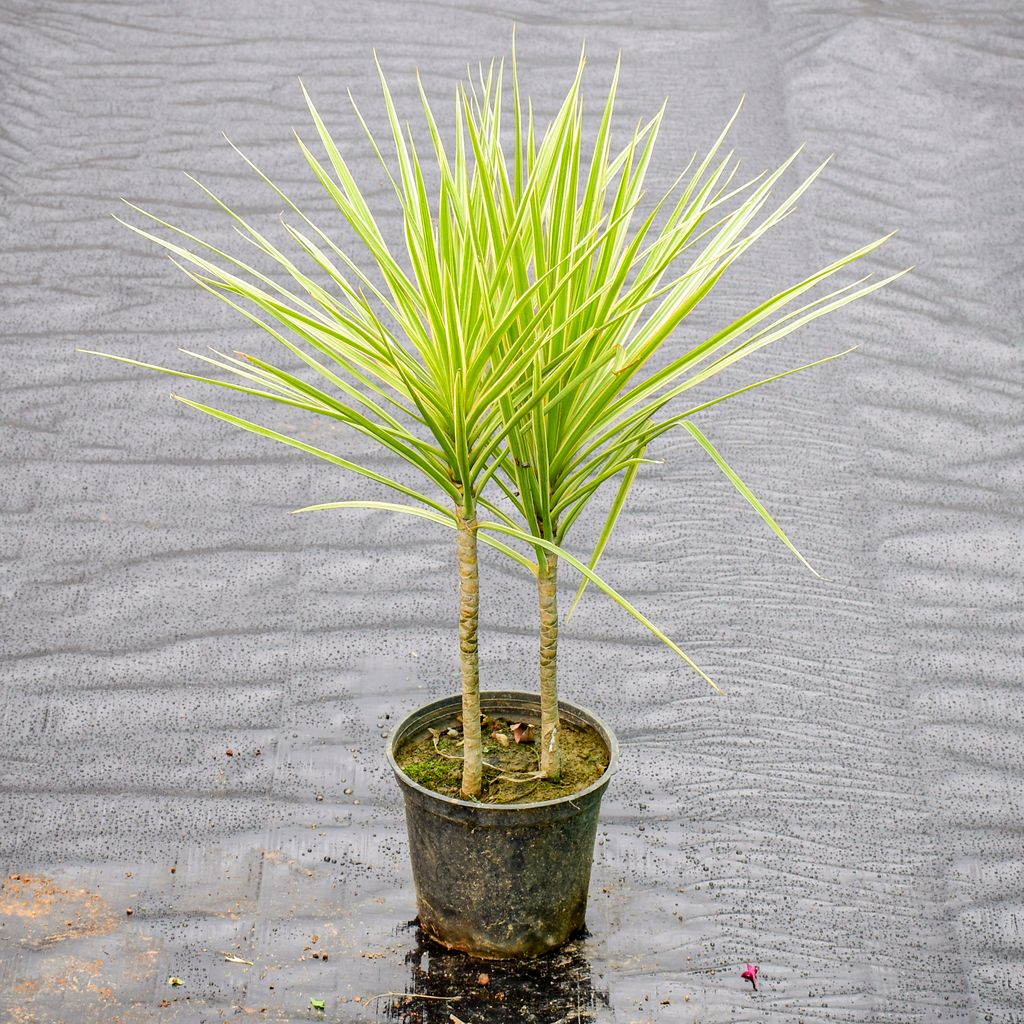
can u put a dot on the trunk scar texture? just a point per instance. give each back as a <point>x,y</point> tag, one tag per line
<point>469,617</point>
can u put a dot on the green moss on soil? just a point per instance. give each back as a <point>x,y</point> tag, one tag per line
<point>434,773</point>
<point>584,761</point>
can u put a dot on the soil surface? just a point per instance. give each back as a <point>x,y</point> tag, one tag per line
<point>511,760</point>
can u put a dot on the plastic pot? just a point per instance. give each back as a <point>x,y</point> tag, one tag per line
<point>501,880</point>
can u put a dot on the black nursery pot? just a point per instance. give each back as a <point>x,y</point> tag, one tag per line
<point>501,880</point>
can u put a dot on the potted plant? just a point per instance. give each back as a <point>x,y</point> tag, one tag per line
<point>504,362</point>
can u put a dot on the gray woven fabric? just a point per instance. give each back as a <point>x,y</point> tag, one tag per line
<point>848,817</point>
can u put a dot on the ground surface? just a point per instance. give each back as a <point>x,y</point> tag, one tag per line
<point>848,817</point>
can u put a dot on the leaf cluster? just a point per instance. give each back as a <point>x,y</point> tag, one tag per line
<point>505,355</point>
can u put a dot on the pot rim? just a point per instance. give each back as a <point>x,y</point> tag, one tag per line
<point>588,716</point>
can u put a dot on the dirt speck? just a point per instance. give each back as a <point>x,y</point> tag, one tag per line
<point>39,912</point>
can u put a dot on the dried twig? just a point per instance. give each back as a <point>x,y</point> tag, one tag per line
<point>532,777</point>
<point>447,757</point>
<point>232,959</point>
<point>411,995</point>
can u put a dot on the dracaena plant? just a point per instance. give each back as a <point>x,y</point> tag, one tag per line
<point>503,348</point>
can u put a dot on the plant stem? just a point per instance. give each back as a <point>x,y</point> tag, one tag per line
<point>469,614</point>
<point>547,592</point>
